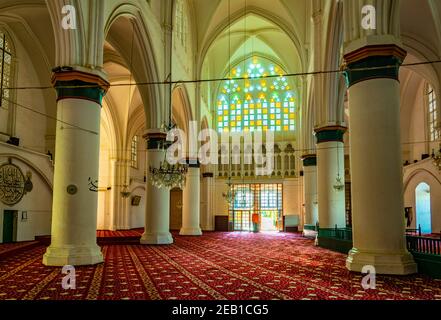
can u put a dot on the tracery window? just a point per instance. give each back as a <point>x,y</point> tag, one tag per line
<point>434,131</point>
<point>134,152</point>
<point>256,103</point>
<point>5,69</point>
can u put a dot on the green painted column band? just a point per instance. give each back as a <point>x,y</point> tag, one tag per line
<point>157,143</point>
<point>381,61</point>
<point>193,163</point>
<point>330,135</point>
<point>310,161</point>
<point>373,67</point>
<point>77,89</point>
<point>207,175</point>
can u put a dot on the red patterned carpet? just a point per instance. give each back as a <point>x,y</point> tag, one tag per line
<point>233,266</point>
<point>119,233</point>
<point>9,248</point>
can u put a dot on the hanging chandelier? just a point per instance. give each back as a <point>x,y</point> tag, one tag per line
<point>168,175</point>
<point>125,193</point>
<point>339,186</point>
<point>229,195</point>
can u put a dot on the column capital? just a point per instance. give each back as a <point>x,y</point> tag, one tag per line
<point>373,62</point>
<point>309,160</point>
<point>75,84</point>
<point>330,133</point>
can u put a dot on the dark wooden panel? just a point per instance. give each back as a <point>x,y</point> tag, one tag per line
<point>221,223</point>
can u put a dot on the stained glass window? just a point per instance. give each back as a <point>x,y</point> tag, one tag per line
<point>256,103</point>
<point>134,152</point>
<point>434,131</point>
<point>5,69</point>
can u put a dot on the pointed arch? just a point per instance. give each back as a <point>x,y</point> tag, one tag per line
<point>130,17</point>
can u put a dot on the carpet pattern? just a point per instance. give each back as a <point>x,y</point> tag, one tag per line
<point>221,266</point>
<point>119,233</point>
<point>7,249</point>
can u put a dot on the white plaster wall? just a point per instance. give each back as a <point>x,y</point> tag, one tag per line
<point>137,213</point>
<point>418,127</point>
<point>292,199</point>
<point>104,181</point>
<point>27,76</point>
<point>37,203</point>
<point>220,205</point>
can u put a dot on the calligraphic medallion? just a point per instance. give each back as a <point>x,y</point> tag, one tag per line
<point>12,184</point>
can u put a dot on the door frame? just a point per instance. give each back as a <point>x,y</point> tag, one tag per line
<point>14,225</point>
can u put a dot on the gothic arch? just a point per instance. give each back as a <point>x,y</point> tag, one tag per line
<point>143,56</point>
<point>235,17</point>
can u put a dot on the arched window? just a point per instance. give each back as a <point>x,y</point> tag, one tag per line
<point>6,56</point>
<point>434,131</point>
<point>256,103</point>
<point>134,152</point>
<point>181,23</point>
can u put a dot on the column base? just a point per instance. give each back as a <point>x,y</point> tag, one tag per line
<point>72,255</point>
<point>156,238</point>
<point>384,263</point>
<point>312,234</point>
<point>190,232</point>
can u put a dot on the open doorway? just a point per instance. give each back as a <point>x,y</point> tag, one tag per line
<point>423,209</point>
<point>265,200</point>
<point>10,226</point>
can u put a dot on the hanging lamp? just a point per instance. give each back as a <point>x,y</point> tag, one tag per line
<point>339,185</point>
<point>167,175</point>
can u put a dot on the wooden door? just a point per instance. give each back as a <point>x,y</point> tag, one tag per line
<point>175,209</point>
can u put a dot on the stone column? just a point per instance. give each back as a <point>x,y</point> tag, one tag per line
<point>310,188</point>
<point>207,212</point>
<point>157,209</point>
<point>75,197</point>
<point>376,167</point>
<point>191,201</point>
<point>330,165</point>
<point>118,204</point>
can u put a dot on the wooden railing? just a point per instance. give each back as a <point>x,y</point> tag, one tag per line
<point>311,227</point>
<point>414,232</point>
<point>424,245</point>
<point>336,233</point>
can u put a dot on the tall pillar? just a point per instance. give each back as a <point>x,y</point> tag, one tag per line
<point>120,205</point>
<point>157,209</point>
<point>75,198</point>
<point>208,208</point>
<point>376,167</point>
<point>191,201</point>
<point>330,165</point>
<point>310,188</point>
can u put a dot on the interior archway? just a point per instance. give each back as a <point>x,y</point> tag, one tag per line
<point>423,208</point>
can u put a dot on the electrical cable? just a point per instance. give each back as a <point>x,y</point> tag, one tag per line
<point>177,82</point>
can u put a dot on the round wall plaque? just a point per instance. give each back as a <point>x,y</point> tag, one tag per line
<point>72,189</point>
<point>12,183</point>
